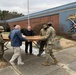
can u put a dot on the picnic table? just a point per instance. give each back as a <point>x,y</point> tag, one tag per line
<point>30,38</point>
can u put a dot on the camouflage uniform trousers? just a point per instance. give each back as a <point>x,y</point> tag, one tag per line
<point>48,52</point>
<point>1,50</point>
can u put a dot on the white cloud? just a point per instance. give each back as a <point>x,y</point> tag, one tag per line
<point>20,6</point>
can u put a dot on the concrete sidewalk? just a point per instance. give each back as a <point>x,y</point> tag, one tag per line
<point>33,64</point>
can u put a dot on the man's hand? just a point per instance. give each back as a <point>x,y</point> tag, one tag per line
<point>23,36</point>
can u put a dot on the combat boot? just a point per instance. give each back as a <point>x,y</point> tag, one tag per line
<point>46,63</point>
<point>55,61</point>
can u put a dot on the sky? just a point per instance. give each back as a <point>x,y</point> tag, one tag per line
<point>20,6</point>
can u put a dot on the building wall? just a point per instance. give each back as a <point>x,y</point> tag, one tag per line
<point>65,25</point>
<point>36,21</point>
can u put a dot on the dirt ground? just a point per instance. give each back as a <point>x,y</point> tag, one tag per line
<point>66,43</point>
<point>3,63</point>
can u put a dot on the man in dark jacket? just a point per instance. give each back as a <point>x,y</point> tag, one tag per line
<point>28,32</point>
<point>16,41</point>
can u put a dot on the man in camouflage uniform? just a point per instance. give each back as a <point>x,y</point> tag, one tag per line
<point>43,42</point>
<point>1,43</point>
<point>50,34</point>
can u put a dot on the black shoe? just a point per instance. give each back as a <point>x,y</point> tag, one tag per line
<point>26,52</point>
<point>30,53</point>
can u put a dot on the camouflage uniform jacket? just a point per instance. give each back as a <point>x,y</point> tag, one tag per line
<point>1,39</point>
<point>50,34</point>
<point>43,32</point>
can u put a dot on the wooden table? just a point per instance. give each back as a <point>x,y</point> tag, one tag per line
<point>30,38</point>
<point>33,38</point>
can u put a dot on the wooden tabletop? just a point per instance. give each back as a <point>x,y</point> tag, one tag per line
<point>30,38</point>
<point>33,38</point>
